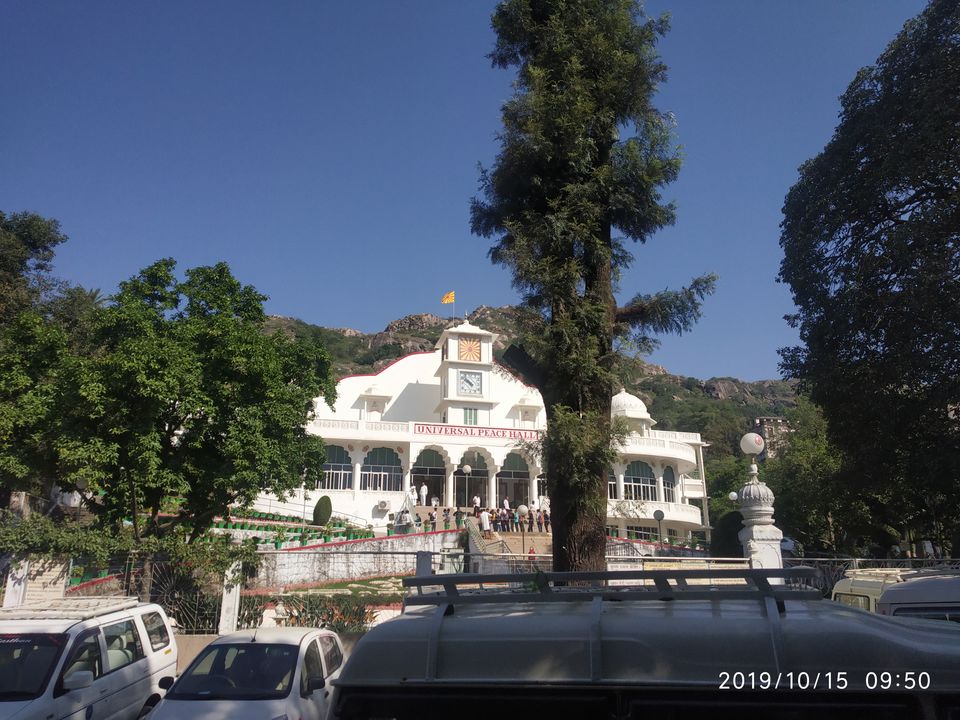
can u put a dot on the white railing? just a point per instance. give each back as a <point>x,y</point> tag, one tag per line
<point>692,488</point>
<point>398,427</point>
<point>661,447</point>
<point>330,424</point>
<point>675,435</point>
<point>643,510</point>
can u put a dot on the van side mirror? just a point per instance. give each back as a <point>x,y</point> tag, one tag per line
<point>315,683</point>
<point>78,679</point>
<point>165,683</point>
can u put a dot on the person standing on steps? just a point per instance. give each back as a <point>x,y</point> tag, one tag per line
<point>423,493</point>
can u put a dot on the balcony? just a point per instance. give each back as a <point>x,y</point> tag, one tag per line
<point>673,513</point>
<point>661,448</point>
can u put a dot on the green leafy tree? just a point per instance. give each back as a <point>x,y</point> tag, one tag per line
<point>813,503</point>
<point>27,243</point>
<point>870,238</point>
<point>563,195</point>
<point>186,397</point>
<point>32,353</point>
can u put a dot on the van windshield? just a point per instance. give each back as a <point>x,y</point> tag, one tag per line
<point>26,662</point>
<point>238,671</point>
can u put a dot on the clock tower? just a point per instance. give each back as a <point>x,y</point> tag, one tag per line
<point>466,361</point>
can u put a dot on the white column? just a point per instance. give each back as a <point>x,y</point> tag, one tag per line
<point>532,491</point>
<point>620,491</point>
<point>659,474</point>
<point>356,475</point>
<point>492,500</point>
<point>706,497</point>
<point>448,495</point>
<point>407,472</point>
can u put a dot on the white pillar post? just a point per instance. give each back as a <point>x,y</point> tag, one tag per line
<point>620,488</point>
<point>492,499</point>
<point>230,605</point>
<point>449,498</point>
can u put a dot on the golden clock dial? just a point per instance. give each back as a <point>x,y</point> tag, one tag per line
<point>470,349</point>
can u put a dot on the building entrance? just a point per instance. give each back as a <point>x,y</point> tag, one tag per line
<point>429,468</point>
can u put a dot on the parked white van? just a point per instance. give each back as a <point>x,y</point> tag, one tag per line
<point>934,597</point>
<point>666,644</point>
<point>84,659</point>
<point>863,588</point>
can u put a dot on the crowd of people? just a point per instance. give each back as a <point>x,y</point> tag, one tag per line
<point>507,519</point>
<point>503,519</point>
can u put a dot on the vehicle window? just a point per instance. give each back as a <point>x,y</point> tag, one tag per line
<point>156,630</point>
<point>85,655</point>
<point>26,662</point>
<point>930,613</point>
<point>857,601</point>
<point>123,644</point>
<point>238,671</point>
<point>332,656</point>
<point>312,668</point>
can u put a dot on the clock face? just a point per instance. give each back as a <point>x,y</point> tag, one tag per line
<point>470,383</point>
<point>470,349</point>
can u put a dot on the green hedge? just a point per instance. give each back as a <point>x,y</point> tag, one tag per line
<point>340,613</point>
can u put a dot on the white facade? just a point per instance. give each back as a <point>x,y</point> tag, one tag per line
<point>454,420</point>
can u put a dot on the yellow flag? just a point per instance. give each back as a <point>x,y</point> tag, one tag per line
<point>448,298</point>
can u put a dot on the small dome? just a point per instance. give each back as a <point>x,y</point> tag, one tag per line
<point>756,493</point>
<point>375,391</point>
<point>528,400</point>
<point>628,405</point>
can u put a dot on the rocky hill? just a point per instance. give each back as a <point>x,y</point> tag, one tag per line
<point>719,408</point>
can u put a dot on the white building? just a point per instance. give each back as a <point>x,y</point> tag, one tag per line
<point>455,420</point>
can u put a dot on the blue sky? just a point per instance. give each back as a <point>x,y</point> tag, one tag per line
<point>328,150</point>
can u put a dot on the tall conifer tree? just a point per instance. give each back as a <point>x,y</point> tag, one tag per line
<point>563,195</point>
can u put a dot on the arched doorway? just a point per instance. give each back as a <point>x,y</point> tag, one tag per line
<point>513,480</point>
<point>429,468</point>
<point>466,486</point>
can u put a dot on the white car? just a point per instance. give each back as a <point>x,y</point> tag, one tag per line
<point>262,674</point>
<point>98,658</point>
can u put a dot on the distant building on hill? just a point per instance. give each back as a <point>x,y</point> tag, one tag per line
<point>775,432</point>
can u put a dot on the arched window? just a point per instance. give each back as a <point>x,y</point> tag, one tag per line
<point>337,470</point>
<point>639,482</point>
<point>381,471</point>
<point>669,485</point>
<point>611,486</point>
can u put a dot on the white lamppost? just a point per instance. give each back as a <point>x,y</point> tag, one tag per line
<point>523,511</point>
<point>466,481</point>
<point>759,537</point>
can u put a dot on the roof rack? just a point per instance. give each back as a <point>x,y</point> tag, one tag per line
<point>69,608</point>
<point>726,584</point>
